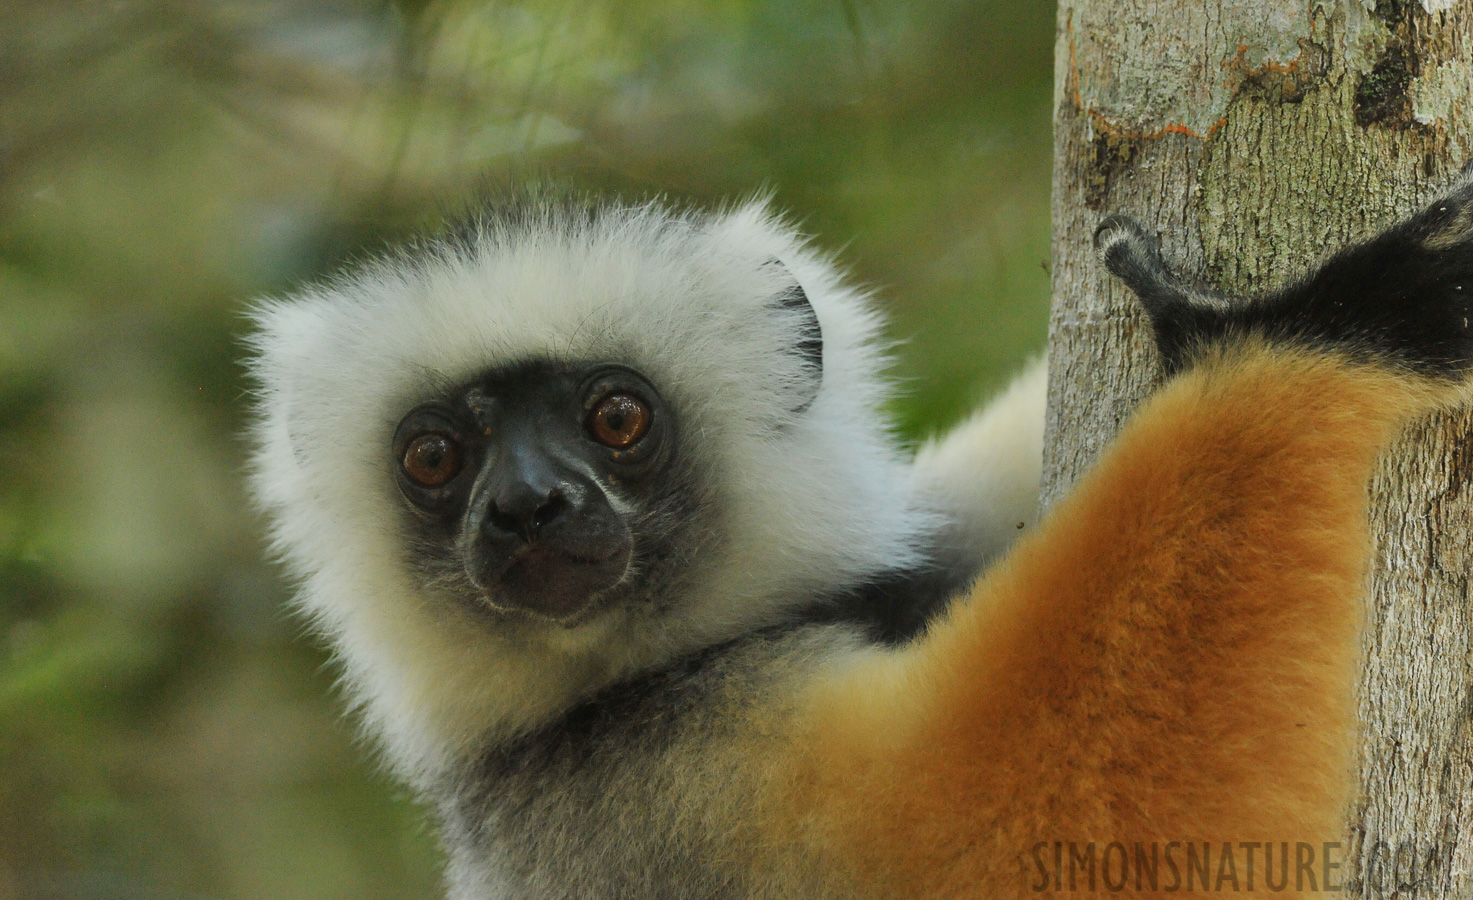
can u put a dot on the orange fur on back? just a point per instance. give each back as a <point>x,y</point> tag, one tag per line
<point>1171,656</point>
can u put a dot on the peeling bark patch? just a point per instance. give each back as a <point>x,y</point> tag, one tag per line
<point>1283,83</point>
<point>1109,156</point>
<point>1384,94</point>
<point>1392,12</point>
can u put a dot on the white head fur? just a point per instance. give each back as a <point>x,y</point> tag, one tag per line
<point>812,499</point>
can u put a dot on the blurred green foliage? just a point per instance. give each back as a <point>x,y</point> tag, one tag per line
<point>164,730</point>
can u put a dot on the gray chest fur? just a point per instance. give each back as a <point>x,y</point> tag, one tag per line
<point>644,792</point>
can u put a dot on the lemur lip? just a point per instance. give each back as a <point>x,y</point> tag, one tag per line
<point>539,553</point>
<point>552,583</point>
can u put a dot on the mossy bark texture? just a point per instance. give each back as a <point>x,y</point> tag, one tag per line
<point>1255,137</point>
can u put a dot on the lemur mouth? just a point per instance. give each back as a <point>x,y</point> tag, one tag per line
<point>557,583</point>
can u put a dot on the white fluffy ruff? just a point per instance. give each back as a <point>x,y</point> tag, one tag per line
<point>687,299</point>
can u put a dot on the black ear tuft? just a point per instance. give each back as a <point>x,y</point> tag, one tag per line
<point>809,346</point>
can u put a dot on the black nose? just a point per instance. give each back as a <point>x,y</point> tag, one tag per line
<point>526,510</point>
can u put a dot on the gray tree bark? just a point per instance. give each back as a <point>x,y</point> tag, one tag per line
<point>1255,136</point>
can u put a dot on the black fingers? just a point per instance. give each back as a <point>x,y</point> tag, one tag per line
<point>1182,319</point>
<point>1133,255</point>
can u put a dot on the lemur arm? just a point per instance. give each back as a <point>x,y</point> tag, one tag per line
<point>981,480</point>
<point>1171,656</point>
<point>983,475</point>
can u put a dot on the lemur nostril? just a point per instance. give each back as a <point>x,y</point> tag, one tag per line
<point>527,519</point>
<point>549,512</point>
<point>503,521</point>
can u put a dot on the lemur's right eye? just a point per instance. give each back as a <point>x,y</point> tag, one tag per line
<point>619,420</point>
<point>432,459</point>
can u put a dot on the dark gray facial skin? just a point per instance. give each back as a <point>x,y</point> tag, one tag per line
<point>543,490</point>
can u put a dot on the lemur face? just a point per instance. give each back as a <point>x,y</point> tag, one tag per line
<point>541,489</point>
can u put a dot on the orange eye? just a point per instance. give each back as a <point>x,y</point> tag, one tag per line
<point>619,421</point>
<point>431,460</point>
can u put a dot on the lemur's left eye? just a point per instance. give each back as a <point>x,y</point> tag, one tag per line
<point>619,420</point>
<point>432,460</point>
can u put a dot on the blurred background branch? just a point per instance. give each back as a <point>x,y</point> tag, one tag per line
<point>164,730</point>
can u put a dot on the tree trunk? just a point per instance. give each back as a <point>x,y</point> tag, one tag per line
<point>1254,137</point>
